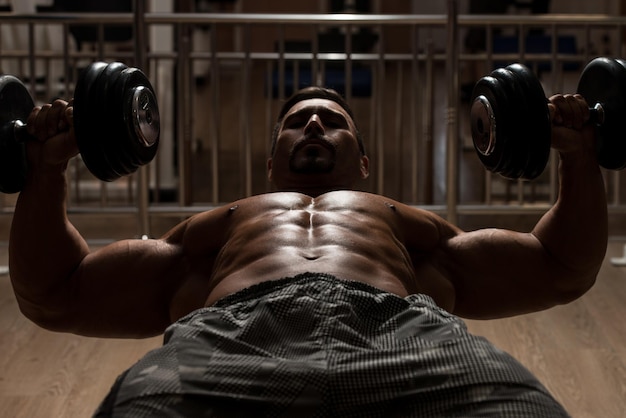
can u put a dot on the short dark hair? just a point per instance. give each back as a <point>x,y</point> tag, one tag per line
<point>315,92</point>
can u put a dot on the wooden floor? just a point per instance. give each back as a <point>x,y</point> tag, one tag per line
<point>577,350</point>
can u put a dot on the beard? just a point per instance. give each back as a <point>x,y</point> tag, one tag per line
<point>313,155</point>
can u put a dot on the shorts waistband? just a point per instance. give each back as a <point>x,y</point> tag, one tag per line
<point>264,288</point>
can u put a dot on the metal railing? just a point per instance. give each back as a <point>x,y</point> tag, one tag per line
<point>409,103</point>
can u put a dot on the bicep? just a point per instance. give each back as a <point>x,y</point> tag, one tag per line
<point>498,273</point>
<point>125,289</point>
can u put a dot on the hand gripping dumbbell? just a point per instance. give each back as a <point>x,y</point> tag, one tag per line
<point>116,123</point>
<point>511,126</point>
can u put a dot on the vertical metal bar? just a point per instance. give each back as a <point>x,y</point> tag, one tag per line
<point>452,75</point>
<point>348,63</point>
<point>398,130</point>
<point>183,114</point>
<point>521,42</point>
<point>215,117</point>
<point>104,195</point>
<point>66,60</point>
<point>140,62</point>
<point>268,104</point>
<point>66,89</point>
<point>246,147</point>
<point>413,119</point>
<point>281,63</point>
<point>427,127</point>
<point>380,119</point>
<point>315,80</point>
<point>3,202</point>
<point>320,80</point>
<point>1,54</point>
<point>189,97</point>
<point>373,106</point>
<point>101,40</point>
<point>520,191</point>
<point>140,34</point>
<point>158,159</point>
<point>616,174</point>
<point>488,174</point>
<point>616,183</point>
<point>621,46</point>
<point>32,69</point>
<point>587,42</point>
<point>522,54</point>
<point>554,159</point>
<point>49,84</point>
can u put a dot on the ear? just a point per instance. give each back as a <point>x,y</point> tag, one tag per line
<point>365,167</point>
<point>269,169</point>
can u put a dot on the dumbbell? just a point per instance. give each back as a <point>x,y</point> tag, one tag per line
<point>511,126</point>
<point>116,122</point>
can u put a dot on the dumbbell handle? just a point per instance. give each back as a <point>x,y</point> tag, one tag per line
<point>20,133</point>
<point>17,130</point>
<point>596,114</point>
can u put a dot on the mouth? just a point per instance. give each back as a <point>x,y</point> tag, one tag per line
<point>313,141</point>
<point>313,154</point>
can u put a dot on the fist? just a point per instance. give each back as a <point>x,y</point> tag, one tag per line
<point>52,127</point>
<point>571,130</point>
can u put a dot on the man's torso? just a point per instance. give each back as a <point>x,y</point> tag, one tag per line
<point>351,235</point>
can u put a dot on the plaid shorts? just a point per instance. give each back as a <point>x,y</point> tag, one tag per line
<point>316,346</point>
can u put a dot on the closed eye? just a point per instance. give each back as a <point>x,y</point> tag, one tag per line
<point>335,121</point>
<point>329,118</point>
<point>294,123</point>
<point>333,124</point>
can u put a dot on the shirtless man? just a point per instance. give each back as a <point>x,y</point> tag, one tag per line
<point>314,299</point>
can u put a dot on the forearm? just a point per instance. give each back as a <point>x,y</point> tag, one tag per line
<point>574,231</point>
<point>44,248</point>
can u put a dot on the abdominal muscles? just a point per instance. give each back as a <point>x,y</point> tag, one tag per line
<point>283,243</point>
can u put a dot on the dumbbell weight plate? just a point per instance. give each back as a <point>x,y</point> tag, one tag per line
<point>517,155</point>
<point>140,115</point>
<point>15,104</point>
<point>488,102</point>
<point>118,129</point>
<point>498,119</point>
<point>115,162</point>
<point>603,81</point>
<point>535,130</point>
<point>520,121</point>
<point>89,120</point>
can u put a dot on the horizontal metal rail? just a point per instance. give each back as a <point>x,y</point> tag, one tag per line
<point>563,20</point>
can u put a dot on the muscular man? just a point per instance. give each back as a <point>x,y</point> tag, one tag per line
<point>313,300</point>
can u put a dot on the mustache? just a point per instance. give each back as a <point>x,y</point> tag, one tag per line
<point>314,138</point>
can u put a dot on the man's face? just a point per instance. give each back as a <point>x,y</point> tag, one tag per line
<point>316,149</point>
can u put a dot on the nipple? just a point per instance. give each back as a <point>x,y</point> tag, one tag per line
<point>232,209</point>
<point>390,206</point>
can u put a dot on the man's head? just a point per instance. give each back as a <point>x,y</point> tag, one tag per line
<point>316,146</point>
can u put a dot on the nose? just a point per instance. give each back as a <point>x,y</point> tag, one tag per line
<point>314,125</point>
